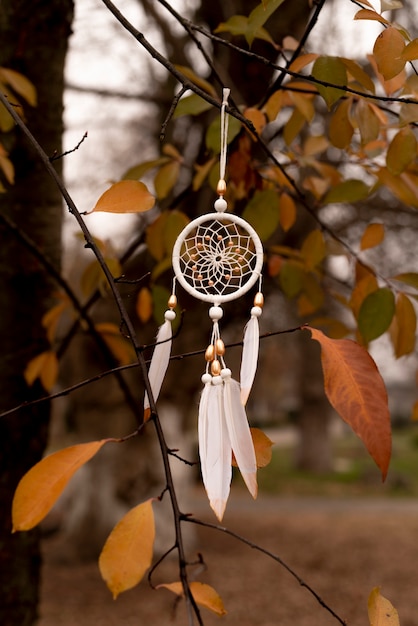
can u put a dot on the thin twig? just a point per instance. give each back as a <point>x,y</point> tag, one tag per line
<point>271,555</point>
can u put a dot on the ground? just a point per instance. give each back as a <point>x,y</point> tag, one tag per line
<point>341,548</point>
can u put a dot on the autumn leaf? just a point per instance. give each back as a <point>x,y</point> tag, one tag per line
<point>402,151</point>
<point>381,611</point>
<point>125,196</point>
<point>372,236</point>
<point>42,485</point>
<point>203,594</point>
<point>403,327</point>
<point>45,367</point>
<point>120,347</point>
<point>127,553</point>
<point>144,305</point>
<point>330,70</point>
<point>262,448</point>
<point>356,390</point>
<point>388,49</point>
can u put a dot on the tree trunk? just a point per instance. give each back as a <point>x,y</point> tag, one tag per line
<point>34,43</point>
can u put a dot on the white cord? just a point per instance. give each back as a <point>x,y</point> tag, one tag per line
<point>224,134</point>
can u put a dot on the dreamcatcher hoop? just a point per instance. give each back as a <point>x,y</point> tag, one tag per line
<point>217,257</point>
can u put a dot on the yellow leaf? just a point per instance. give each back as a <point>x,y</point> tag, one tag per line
<point>287,214</point>
<point>42,485</point>
<point>388,49</point>
<point>205,595</point>
<point>274,105</point>
<point>20,84</point>
<point>126,196</point>
<point>202,171</point>
<point>127,553</point>
<point>194,78</point>
<point>403,327</point>
<point>166,178</point>
<point>144,305</point>
<point>43,366</point>
<point>340,128</point>
<point>302,61</point>
<point>381,611</point>
<point>373,235</point>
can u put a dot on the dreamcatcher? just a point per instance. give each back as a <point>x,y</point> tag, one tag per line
<point>217,258</point>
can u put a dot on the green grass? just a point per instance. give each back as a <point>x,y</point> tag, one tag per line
<point>355,475</point>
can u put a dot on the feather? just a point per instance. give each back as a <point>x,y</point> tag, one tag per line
<point>240,434</point>
<point>214,448</point>
<point>160,360</point>
<point>249,357</point>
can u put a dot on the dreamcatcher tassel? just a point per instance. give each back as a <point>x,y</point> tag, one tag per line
<point>214,444</point>
<point>250,349</point>
<point>239,432</point>
<point>161,355</point>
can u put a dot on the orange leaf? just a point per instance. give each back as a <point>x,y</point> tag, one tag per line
<point>356,390</point>
<point>144,305</point>
<point>388,49</point>
<point>381,611</point>
<point>126,196</point>
<point>365,14</point>
<point>205,595</point>
<point>287,214</point>
<point>372,236</point>
<point>402,151</point>
<point>127,553</point>
<point>257,117</point>
<point>403,327</point>
<point>262,448</point>
<point>41,486</point>
<point>120,347</point>
<point>43,366</point>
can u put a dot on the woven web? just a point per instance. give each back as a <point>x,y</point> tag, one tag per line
<point>217,258</point>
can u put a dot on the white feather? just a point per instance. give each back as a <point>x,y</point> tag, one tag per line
<point>214,448</point>
<point>160,360</point>
<point>240,434</point>
<point>249,357</point>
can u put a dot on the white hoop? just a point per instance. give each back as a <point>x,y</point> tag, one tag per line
<point>219,266</point>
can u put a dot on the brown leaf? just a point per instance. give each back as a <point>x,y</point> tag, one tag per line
<point>127,553</point>
<point>373,235</point>
<point>357,392</point>
<point>126,196</point>
<point>43,366</point>
<point>144,305</point>
<point>42,485</point>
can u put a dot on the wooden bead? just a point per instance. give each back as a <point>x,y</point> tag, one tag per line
<point>172,302</point>
<point>221,187</point>
<point>259,299</point>
<point>220,347</point>
<point>215,368</point>
<point>210,353</point>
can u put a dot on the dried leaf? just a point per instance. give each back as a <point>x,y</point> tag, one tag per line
<point>356,390</point>
<point>411,51</point>
<point>125,196</point>
<point>20,84</point>
<point>373,235</point>
<point>365,14</point>
<point>381,611</point>
<point>127,553</point>
<point>203,594</point>
<point>330,70</point>
<point>42,485</point>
